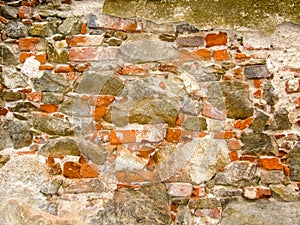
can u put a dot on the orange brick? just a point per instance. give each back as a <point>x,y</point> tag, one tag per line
<point>173,134</point>
<point>63,69</point>
<point>99,112</point>
<point>35,96</point>
<point>3,111</point>
<point>233,155</point>
<point>223,135</point>
<point>249,158</point>
<point>72,170</point>
<point>216,39</point>
<point>199,191</point>
<point>87,170</point>
<point>270,163</point>
<point>84,28</point>
<point>85,40</point>
<point>203,54</point>
<point>41,57</point>
<point>241,56</point>
<point>220,55</point>
<point>48,108</point>
<point>242,124</point>
<point>234,144</point>
<point>133,70</point>
<point>257,94</point>
<point>28,44</point>
<point>46,67</point>
<point>297,102</point>
<point>286,170</point>
<point>118,137</point>
<point>104,100</point>
<point>257,83</point>
<point>24,12</point>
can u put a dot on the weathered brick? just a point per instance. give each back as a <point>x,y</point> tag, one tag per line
<point>212,112</point>
<point>3,20</point>
<point>83,54</point>
<point>186,56</point>
<point>223,135</point>
<point>256,192</point>
<point>84,28</point>
<point>63,69</point>
<point>118,137</point>
<point>28,44</point>
<point>41,57</point>
<point>46,67</point>
<point>3,111</point>
<point>72,170</point>
<point>48,108</point>
<point>203,54</point>
<point>199,191</point>
<point>241,56</point>
<point>133,70</point>
<point>27,21</point>
<point>242,124</point>
<point>233,155</point>
<point>103,100</point>
<point>85,40</point>
<point>212,213</point>
<point>257,83</point>
<point>216,39</point>
<point>293,86</point>
<point>173,134</point>
<point>24,12</point>
<point>234,144</point>
<point>136,176</point>
<point>190,41</point>
<point>257,93</point>
<point>168,68</point>
<point>220,55</point>
<point>180,189</point>
<point>99,112</point>
<point>250,158</point>
<point>87,170</point>
<point>297,102</point>
<point>270,163</point>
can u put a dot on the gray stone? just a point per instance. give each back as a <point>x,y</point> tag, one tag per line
<point>215,96</point>
<point>113,86</point>
<point>67,106</point>
<point>113,41</point>
<point>10,96</point>
<point>257,72</point>
<point>92,21</point>
<point>269,93</point>
<point>184,216</point>
<point>268,177</point>
<point>50,83</point>
<point>147,51</point>
<point>118,114</point>
<point>24,107</point>
<point>5,140</point>
<point>16,30</point>
<point>237,99</point>
<point>52,125</point>
<point>225,192</point>
<point>280,121</point>
<point>3,160</point>
<point>83,186</point>
<point>190,41</point>
<point>285,193</point>
<point>185,28</point>
<point>52,98</point>
<point>237,174</point>
<point>148,205</point>
<point>42,29</point>
<point>204,203</point>
<point>167,37</point>
<point>51,187</point>
<point>259,122</point>
<point>60,147</point>
<point>11,78</point>
<point>71,26</point>
<point>57,55</point>
<point>204,73</point>
<point>9,12</point>
<point>194,123</point>
<point>259,144</point>
<point>153,111</point>
<point>294,163</point>
<point>93,151</point>
<point>6,58</point>
<point>258,213</point>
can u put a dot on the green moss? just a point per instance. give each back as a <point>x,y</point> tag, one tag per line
<point>262,15</point>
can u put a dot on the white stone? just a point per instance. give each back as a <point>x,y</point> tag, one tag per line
<point>31,68</point>
<point>180,189</point>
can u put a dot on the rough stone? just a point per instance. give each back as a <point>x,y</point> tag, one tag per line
<point>147,51</point>
<point>3,160</point>
<point>70,26</point>
<point>280,121</point>
<point>285,193</point>
<point>185,28</point>
<point>237,174</point>
<point>94,152</point>
<point>184,216</point>
<point>42,29</point>
<point>6,56</point>
<point>258,212</point>
<point>259,122</point>
<point>237,99</point>
<point>257,72</point>
<point>215,96</point>
<point>57,55</point>
<point>24,107</point>
<point>67,105</point>
<point>51,98</point>
<point>294,163</point>
<point>10,96</point>
<point>269,94</point>
<point>272,177</point>
<point>60,147</point>
<point>16,30</point>
<point>50,83</point>
<point>11,78</point>
<point>204,203</point>
<point>52,125</point>
<point>259,144</point>
<point>9,12</point>
<point>83,186</point>
<point>153,111</point>
<point>194,123</point>
<point>148,205</point>
<point>5,140</point>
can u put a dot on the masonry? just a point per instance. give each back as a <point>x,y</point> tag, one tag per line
<point>149,112</point>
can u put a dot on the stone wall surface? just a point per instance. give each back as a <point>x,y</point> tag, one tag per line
<point>149,112</point>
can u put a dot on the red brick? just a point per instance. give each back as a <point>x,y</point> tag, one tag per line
<point>48,108</point>
<point>118,137</point>
<point>173,134</point>
<point>24,12</point>
<point>270,163</point>
<point>84,28</point>
<point>28,44</point>
<point>63,69</point>
<point>297,102</point>
<point>286,170</point>
<point>233,155</point>
<point>116,23</point>
<point>72,170</point>
<point>256,192</point>
<point>199,191</point>
<point>133,70</point>
<point>99,112</point>
<point>83,54</point>
<point>214,213</point>
<point>168,68</point>
<point>104,100</point>
<point>220,55</point>
<point>257,93</point>
<point>242,124</point>
<point>257,83</point>
<point>241,56</point>
<point>223,134</point>
<point>216,39</point>
<point>41,57</point>
<point>180,189</point>
<point>203,54</point>
<point>212,112</point>
<point>249,158</point>
<point>87,170</point>
<point>35,96</point>
<point>46,67</point>
<point>85,40</point>
<point>3,111</point>
<point>234,144</point>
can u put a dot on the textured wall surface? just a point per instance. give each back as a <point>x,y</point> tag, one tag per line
<point>149,112</point>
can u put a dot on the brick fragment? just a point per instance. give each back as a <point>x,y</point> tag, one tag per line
<point>84,40</point>
<point>133,70</point>
<point>46,67</point>
<point>180,189</point>
<point>257,93</point>
<point>63,69</point>
<point>223,135</point>
<point>203,54</point>
<point>27,21</point>
<point>243,124</point>
<point>216,39</point>
<point>83,54</point>
<point>220,55</point>
<point>71,170</point>
<point>28,44</point>
<point>48,108</point>
<point>297,103</point>
<point>84,28</point>
<point>257,83</point>
<point>241,56</point>
<point>118,137</point>
<point>3,111</point>
<point>173,134</point>
<point>256,192</point>
<point>293,86</point>
<point>103,100</point>
<point>168,68</point>
<point>24,12</point>
<point>214,213</point>
<point>212,112</point>
<point>199,191</point>
<point>250,158</point>
<point>87,170</point>
<point>41,57</point>
<point>99,112</point>
<point>3,20</point>
<point>234,144</point>
<point>270,163</point>
<point>233,155</point>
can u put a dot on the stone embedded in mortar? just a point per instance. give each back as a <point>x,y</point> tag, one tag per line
<point>83,186</point>
<point>7,57</point>
<point>148,205</point>
<point>51,187</point>
<point>11,78</point>
<point>257,72</point>
<point>204,203</point>
<point>215,96</point>
<point>258,212</point>
<point>9,12</point>
<point>194,123</point>
<point>280,121</point>
<point>147,51</point>
<point>237,99</point>
<point>52,125</point>
<point>24,107</point>
<point>153,111</point>
<point>269,93</point>
<point>113,86</point>
<point>259,122</point>
<point>285,193</point>
<point>42,29</point>
<point>16,30</point>
<point>268,177</point>
<point>184,215</point>
<point>56,55</point>
<point>237,174</point>
<point>52,98</point>
<point>5,140</point>
<point>185,28</point>
<point>294,162</point>
<point>71,26</point>
<point>94,152</point>
<point>3,159</point>
<point>190,41</point>
<point>60,147</point>
<point>10,96</point>
<point>50,83</point>
<point>67,105</point>
<point>118,114</point>
<point>259,144</point>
